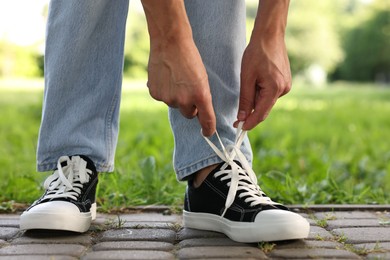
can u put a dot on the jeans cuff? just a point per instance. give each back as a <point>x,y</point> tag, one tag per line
<point>184,173</point>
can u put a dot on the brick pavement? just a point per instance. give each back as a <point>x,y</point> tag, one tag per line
<point>352,233</point>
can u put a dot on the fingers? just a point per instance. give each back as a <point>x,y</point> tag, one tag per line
<point>247,94</point>
<point>206,117</point>
<point>204,111</point>
<point>256,101</point>
<point>197,104</point>
<point>263,105</point>
<point>189,111</point>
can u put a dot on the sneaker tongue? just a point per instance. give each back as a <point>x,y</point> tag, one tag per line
<point>244,185</point>
<point>221,165</point>
<point>64,164</point>
<point>90,164</point>
<point>218,169</point>
<point>228,167</point>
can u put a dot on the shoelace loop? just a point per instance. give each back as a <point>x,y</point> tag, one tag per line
<point>67,181</point>
<point>241,177</point>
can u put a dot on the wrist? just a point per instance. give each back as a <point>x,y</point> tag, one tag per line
<point>167,20</point>
<point>271,19</point>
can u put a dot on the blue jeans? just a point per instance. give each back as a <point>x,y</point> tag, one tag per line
<point>83,78</point>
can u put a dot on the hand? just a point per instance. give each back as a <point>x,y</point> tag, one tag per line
<point>265,68</point>
<point>177,76</point>
<point>265,76</point>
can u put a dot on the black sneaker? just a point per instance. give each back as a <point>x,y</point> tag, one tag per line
<point>69,201</point>
<point>230,201</point>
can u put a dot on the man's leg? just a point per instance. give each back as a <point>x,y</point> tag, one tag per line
<point>229,199</point>
<point>83,77</point>
<point>79,128</point>
<point>219,33</point>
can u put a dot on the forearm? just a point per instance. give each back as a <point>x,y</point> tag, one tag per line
<point>265,69</point>
<point>167,20</point>
<point>271,19</point>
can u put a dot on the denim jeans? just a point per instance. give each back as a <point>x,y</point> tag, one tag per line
<point>83,78</point>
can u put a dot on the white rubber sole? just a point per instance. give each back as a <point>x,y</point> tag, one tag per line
<point>75,222</point>
<point>269,227</point>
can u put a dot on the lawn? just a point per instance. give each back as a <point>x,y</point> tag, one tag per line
<point>318,146</point>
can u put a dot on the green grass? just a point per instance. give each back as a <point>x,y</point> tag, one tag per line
<point>318,146</point>
<point>327,146</point>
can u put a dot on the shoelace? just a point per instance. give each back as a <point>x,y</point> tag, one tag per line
<point>242,178</point>
<point>67,181</point>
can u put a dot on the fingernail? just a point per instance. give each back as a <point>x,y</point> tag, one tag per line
<point>241,115</point>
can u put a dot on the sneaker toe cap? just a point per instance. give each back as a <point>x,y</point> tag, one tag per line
<point>55,207</point>
<point>291,224</point>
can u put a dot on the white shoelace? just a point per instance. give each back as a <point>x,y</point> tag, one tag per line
<point>67,181</point>
<point>242,178</point>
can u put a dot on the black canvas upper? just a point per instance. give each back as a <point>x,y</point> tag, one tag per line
<point>87,195</point>
<point>211,195</point>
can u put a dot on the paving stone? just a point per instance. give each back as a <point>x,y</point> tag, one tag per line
<point>303,214</point>
<point>381,246</point>
<point>104,225</point>
<point>53,237</point>
<point>151,236</point>
<point>9,220</point>
<point>312,222</point>
<point>196,242</point>
<point>307,244</point>
<point>103,218</point>
<point>188,233</point>
<point>377,256</point>
<point>236,258</point>
<point>129,254</point>
<point>38,257</point>
<point>309,218</point>
<point>364,235</point>
<point>383,214</point>
<point>372,222</point>
<point>136,221</point>
<point>143,224</point>
<point>342,207</point>
<point>8,232</point>
<point>319,233</point>
<point>345,215</point>
<point>220,252</point>
<point>43,249</point>
<point>133,245</point>
<point>150,217</point>
<point>310,253</point>
<point>9,216</point>
<point>163,235</point>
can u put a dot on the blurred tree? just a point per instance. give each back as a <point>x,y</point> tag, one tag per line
<point>348,39</point>
<point>367,46</point>
<point>312,35</point>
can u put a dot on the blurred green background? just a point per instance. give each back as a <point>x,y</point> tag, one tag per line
<point>327,41</point>
<point>325,142</point>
